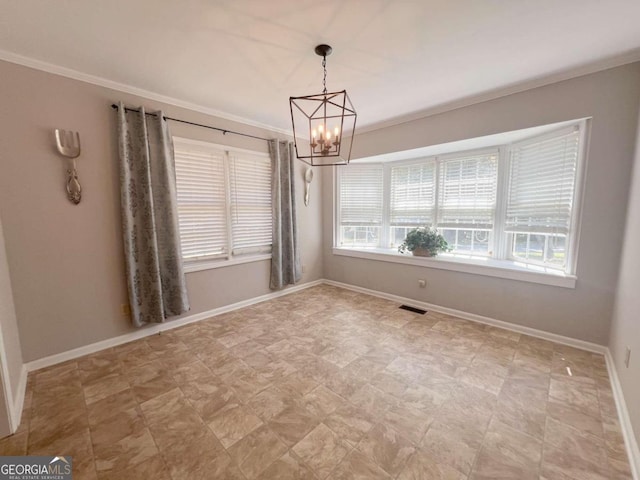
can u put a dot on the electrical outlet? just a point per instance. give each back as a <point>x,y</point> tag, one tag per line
<point>125,310</point>
<point>627,357</point>
<point>422,283</point>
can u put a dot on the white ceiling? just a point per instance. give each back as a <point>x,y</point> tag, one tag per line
<point>395,58</point>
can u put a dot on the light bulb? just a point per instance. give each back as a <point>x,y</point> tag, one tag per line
<point>320,128</point>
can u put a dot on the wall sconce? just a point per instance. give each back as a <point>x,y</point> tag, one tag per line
<point>68,144</point>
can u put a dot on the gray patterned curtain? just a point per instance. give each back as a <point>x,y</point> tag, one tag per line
<point>157,287</point>
<point>285,259</point>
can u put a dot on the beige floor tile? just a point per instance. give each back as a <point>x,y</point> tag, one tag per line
<point>140,374</point>
<point>412,422</point>
<point>247,383</point>
<point>184,374</point>
<point>525,418</point>
<point>257,451</point>
<point>232,423</point>
<point>114,429</point>
<point>455,446</point>
<point>350,423</point>
<point>372,401</point>
<point>104,387</point>
<point>357,466</point>
<point>507,453</point>
<point>126,452</point>
<point>288,467</point>
<point>41,436</point>
<point>164,406</point>
<point>293,424</point>
<point>153,388</point>
<point>321,401</point>
<point>173,430</point>
<point>583,397</point>
<point>322,450</point>
<point>389,384</point>
<point>152,468</point>
<point>296,384</point>
<point>573,454</point>
<point>574,417</point>
<point>422,466</point>
<point>387,448</point>
<point>110,406</point>
<point>201,459</point>
<point>350,383</point>
<point>208,395</point>
<point>14,445</point>
<point>271,402</point>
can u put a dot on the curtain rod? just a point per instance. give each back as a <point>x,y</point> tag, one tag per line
<point>223,130</point>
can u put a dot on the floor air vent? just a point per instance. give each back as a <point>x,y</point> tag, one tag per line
<point>413,309</point>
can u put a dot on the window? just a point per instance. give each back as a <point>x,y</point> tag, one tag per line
<point>361,206</point>
<point>511,202</point>
<point>224,201</point>
<point>542,177</point>
<point>467,201</point>
<point>412,198</point>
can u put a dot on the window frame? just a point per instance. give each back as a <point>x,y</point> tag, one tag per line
<point>227,258</point>
<point>501,264</point>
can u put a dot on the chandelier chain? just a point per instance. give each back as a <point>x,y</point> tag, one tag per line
<point>324,79</point>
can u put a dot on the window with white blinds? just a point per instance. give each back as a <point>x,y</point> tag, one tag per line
<point>250,177</point>
<point>542,177</point>
<point>361,195</point>
<point>512,201</point>
<point>360,210</point>
<point>467,191</point>
<point>202,205</point>
<point>413,194</point>
<point>224,201</point>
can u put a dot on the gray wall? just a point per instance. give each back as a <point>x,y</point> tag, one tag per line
<point>11,358</point>
<point>66,261</point>
<point>611,98</point>
<point>625,327</point>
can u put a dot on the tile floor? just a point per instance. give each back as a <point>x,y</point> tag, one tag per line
<point>328,383</point>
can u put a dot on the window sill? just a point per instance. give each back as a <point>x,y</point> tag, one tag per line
<point>197,266</point>
<point>475,265</point>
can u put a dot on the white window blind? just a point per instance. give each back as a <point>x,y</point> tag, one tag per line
<point>542,183</point>
<point>224,201</point>
<point>250,178</point>
<point>201,193</point>
<point>467,191</point>
<point>361,195</point>
<point>412,194</point>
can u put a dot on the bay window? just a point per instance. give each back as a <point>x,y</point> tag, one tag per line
<point>513,204</point>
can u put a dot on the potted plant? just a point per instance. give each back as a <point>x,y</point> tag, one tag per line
<point>424,242</point>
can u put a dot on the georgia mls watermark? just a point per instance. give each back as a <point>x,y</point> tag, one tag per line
<point>35,468</point>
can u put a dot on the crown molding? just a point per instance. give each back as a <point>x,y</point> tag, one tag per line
<point>586,69</point>
<point>124,88</point>
<point>604,64</point>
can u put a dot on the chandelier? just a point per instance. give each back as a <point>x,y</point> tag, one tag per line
<point>323,118</point>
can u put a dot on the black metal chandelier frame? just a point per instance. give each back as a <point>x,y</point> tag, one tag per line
<point>322,150</point>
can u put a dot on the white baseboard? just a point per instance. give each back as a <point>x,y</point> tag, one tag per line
<point>159,327</point>
<point>630,441</point>
<point>18,401</point>
<point>552,337</point>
